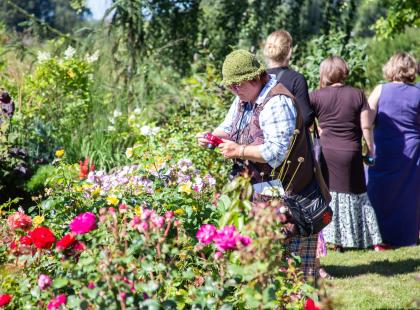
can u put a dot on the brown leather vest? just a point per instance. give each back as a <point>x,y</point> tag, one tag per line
<point>297,169</point>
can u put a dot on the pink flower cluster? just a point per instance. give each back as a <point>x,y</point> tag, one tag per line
<point>83,223</point>
<point>44,281</point>
<point>57,302</point>
<point>227,238</point>
<point>150,219</point>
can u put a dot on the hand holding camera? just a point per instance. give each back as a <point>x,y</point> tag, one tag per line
<point>207,139</point>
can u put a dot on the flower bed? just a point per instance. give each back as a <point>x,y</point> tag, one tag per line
<point>148,235</point>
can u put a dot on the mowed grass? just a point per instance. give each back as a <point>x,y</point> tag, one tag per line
<point>374,280</point>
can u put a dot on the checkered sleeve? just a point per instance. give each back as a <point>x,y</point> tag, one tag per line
<point>227,124</point>
<point>277,120</point>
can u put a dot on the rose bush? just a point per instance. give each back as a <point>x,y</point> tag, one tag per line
<point>150,235</point>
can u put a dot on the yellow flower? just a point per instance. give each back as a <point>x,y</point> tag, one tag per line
<point>59,153</point>
<point>112,200</point>
<point>186,188</point>
<point>71,73</point>
<point>194,208</point>
<point>87,186</point>
<point>179,211</point>
<point>129,152</point>
<point>137,210</point>
<point>96,192</point>
<point>38,220</point>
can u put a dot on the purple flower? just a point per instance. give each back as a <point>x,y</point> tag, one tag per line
<point>44,281</point>
<point>226,238</point>
<point>83,223</point>
<point>206,233</point>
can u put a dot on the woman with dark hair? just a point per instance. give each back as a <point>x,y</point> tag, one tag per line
<point>394,180</point>
<point>343,114</point>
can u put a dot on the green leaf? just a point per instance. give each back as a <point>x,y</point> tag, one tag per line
<point>60,282</point>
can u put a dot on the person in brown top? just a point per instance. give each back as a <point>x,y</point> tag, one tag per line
<point>343,115</point>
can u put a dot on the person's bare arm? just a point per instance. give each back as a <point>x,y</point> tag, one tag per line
<point>367,118</point>
<point>367,129</point>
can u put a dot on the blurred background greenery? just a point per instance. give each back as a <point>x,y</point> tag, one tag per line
<point>90,86</point>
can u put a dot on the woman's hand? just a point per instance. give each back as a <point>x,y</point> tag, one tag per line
<point>229,149</point>
<point>202,141</point>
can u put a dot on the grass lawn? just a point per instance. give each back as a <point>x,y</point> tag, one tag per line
<point>374,280</point>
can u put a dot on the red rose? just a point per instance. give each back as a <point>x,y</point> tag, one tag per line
<point>66,242</point>
<point>13,245</point>
<point>5,299</point>
<point>25,240</point>
<point>310,305</point>
<point>42,237</point>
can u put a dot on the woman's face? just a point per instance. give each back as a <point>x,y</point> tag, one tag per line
<point>246,91</point>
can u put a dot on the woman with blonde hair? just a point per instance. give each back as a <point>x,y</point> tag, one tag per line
<point>343,115</point>
<point>277,51</point>
<point>394,180</point>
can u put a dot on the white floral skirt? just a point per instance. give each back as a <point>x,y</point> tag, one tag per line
<point>354,223</point>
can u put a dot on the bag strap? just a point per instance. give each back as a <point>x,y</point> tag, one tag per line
<point>315,130</point>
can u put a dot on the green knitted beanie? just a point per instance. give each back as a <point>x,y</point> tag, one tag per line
<point>239,66</point>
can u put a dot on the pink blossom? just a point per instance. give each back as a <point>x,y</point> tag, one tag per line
<point>79,246</point>
<point>169,214</point>
<point>19,220</point>
<point>218,255</point>
<point>177,223</point>
<point>57,302</point>
<point>44,281</point>
<point>158,221</point>
<point>146,214</point>
<point>111,210</point>
<point>122,207</point>
<point>144,226</point>
<point>245,240</point>
<point>136,220</point>
<point>226,238</point>
<point>206,233</point>
<point>83,223</point>
<point>91,285</point>
<point>123,296</point>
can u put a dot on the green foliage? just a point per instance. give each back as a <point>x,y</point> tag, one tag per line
<point>58,104</point>
<point>379,52</point>
<point>39,180</point>
<point>400,14</point>
<point>41,16</point>
<point>353,52</point>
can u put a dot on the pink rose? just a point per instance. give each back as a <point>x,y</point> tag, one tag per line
<point>226,238</point>
<point>143,227</point>
<point>206,233</point>
<point>245,240</point>
<point>122,207</point>
<point>57,302</point>
<point>44,281</point>
<point>19,220</point>
<point>83,223</point>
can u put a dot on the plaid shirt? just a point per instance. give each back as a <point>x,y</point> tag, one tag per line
<point>277,120</point>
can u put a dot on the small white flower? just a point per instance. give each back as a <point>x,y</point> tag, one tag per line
<point>155,130</point>
<point>92,58</point>
<point>129,152</point>
<point>137,111</point>
<point>132,118</point>
<point>117,113</point>
<point>69,52</point>
<point>43,56</point>
<point>146,130</point>
<point>111,128</point>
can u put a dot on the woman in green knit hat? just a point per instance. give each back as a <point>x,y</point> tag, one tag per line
<point>263,132</point>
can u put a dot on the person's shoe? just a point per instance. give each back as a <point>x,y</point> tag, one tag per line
<point>381,247</point>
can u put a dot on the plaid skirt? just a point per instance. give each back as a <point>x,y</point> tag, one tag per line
<point>305,247</point>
